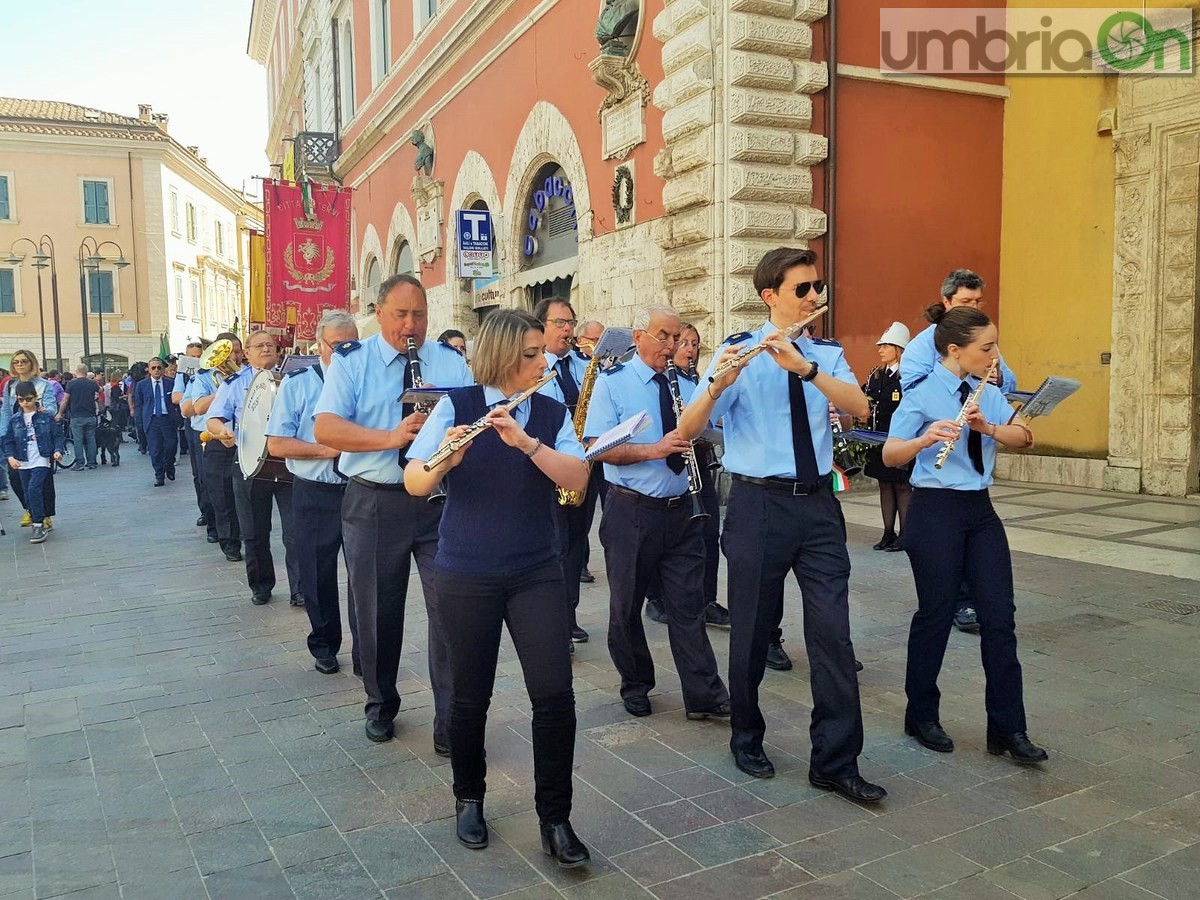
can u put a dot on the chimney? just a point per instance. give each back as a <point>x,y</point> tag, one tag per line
<point>162,120</point>
<point>144,112</point>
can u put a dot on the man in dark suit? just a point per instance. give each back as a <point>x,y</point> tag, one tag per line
<point>159,418</point>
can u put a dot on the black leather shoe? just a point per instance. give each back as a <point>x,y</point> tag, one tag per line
<point>213,539</point>
<point>716,615</point>
<point>258,598</point>
<point>380,731</point>
<point>296,599</point>
<point>233,555</point>
<point>722,711</point>
<point>201,522</point>
<point>777,657</point>
<point>1018,746</point>
<point>158,482</point>
<point>561,842</point>
<point>897,546</point>
<point>854,787</point>
<point>754,763</point>
<point>655,612</point>
<point>930,734</point>
<point>637,706</point>
<point>469,825</point>
<point>586,577</point>
<point>578,635</point>
<point>171,475</point>
<point>886,541</point>
<point>858,667</point>
<point>326,666</point>
<point>441,749</point>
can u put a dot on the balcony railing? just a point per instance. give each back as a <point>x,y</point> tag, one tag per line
<point>316,151</point>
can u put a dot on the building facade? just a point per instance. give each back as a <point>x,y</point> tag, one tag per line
<point>129,234</point>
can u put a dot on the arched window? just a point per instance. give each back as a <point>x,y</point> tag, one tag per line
<point>346,75</point>
<point>371,284</point>
<point>402,259</point>
<point>381,39</point>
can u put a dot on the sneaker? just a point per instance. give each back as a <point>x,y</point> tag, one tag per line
<point>655,612</point>
<point>777,657</point>
<point>716,615</point>
<point>966,620</point>
<point>39,534</point>
<point>48,524</point>
<point>26,520</point>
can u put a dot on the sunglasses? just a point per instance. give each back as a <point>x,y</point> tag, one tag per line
<point>804,287</point>
<point>27,399</point>
<point>155,368</point>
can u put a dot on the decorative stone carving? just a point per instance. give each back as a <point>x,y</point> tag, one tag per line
<point>623,127</point>
<point>621,78</point>
<point>623,195</point>
<point>424,161</point>
<point>618,27</point>
<point>428,194</point>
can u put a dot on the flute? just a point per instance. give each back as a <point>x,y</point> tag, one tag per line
<point>961,420</point>
<point>480,425</point>
<point>791,332</point>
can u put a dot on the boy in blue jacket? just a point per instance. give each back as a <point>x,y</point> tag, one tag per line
<point>33,439</point>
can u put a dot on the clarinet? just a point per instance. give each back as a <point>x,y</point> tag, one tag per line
<point>414,368</point>
<point>694,376</point>
<point>693,465</point>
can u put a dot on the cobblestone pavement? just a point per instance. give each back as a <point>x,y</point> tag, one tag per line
<point>160,737</point>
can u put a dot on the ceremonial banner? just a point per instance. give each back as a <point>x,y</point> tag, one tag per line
<point>307,254</point>
<point>258,278</point>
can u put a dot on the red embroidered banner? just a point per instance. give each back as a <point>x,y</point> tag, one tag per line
<point>308,258</point>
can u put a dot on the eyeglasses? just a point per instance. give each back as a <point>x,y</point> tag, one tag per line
<point>27,399</point>
<point>804,287</point>
<point>668,339</point>
<point>155,368</point>
<point>562,323</point>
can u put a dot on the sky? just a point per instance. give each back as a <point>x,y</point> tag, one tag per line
<point>185,59</point>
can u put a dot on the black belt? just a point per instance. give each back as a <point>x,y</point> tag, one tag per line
<point>321,485</point>
<point>378,485</point>
<point>787,486</point>
<point>653,502</point>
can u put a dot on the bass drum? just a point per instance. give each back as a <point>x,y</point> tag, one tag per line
<point>253,459</point>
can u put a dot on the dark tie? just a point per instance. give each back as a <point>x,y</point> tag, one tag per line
<point>975,441</point>
<point>406,409</point>
<point>802,443</point>
<point>666,407</point>
<point>158,398</point>
<point>566,382</point>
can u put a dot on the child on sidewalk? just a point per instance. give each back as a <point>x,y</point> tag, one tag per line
<point>33,439</point>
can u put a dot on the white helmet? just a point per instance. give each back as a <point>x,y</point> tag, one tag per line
<point>896,334</point>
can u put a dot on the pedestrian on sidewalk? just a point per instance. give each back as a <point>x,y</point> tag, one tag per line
<point>82,409</point>
<point>30,442</point>
<point>25,368</point>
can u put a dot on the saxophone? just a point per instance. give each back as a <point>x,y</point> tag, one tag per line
<point>575,498</point>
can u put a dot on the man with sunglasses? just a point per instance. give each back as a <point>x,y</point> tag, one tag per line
<point>575,522</point>
<point>159,418</point>
<point>253,496</point>
<point>783,517</point>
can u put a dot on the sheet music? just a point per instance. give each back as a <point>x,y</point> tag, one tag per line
<point>614,342</point>
<point>619,434</point>
<point>430,395</point>
<point>1053,391</point>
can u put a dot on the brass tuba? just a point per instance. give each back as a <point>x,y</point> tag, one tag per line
<point>218,358</point>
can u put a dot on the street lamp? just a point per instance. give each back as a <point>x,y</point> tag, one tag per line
<point>41,259</point>
<point>92,263</point>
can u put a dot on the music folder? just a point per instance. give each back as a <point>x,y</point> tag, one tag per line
<point>618,435</point>
<point>430,395</point>
<point>1042,402</point>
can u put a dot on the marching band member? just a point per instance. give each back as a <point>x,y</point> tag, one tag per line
<point>192,442</point>
<point>383,526</point>
<point>955,534</point>
<point>497,563</point>
<point>783,517</point>
<point>647,527</point>
<point>252,496</point>
<point>316,495</point>
<point>575,522</point>
<point>962,287</point>
<point>883,390</point>
<point>686,359</point>
<point>219,457</point>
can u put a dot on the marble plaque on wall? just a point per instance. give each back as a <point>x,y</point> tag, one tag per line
<point>624,127</point>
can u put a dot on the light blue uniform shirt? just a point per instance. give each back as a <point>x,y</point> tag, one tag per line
<point>231,397</point>
<point>936,398</point>
<point>292,417</point>
<point>577,365</point>
<point>433,432</point>
<point>624,391</point>
<point>202,385</point>
<point>181,383</point>
<point>921,357</point>
<point>363,386</point>
<point>757,412</point>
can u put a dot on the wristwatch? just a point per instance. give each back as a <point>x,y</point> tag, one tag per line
<point>812,373</point>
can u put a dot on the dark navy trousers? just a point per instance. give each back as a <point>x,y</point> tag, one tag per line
<point>954,537</point>
<point>162,441</point>
<point>317,542</point>
<point>768,534</point>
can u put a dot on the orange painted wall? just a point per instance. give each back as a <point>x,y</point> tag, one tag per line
<point>549,62</point>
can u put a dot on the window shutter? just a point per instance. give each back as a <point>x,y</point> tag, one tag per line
<point>102,202</point>
<point>4,214</point>
<point>8,296</point>
<point>89,201</point>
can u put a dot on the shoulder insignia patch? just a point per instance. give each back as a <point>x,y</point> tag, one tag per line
<point>918,381</point>
<point>826,342</point>
<point>738,338</point>
<point>347,347</point>
<point>615,367</point>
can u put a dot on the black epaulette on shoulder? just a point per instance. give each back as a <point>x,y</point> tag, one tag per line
<point>826,342</point>
<point>918,381</point>
<point>738,338</point>
<point>345,348</point>
<point>615,367</point>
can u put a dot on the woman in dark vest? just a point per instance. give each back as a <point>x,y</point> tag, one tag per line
<point>497,563</point>
<point>883,390</point>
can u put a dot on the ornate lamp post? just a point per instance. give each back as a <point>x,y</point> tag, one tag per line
<point>43,257</point>
<point>92,263</point>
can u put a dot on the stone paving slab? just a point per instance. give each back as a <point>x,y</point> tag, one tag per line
<point>160,737</point>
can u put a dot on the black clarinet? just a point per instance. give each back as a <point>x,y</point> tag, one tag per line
<point>695,484</point>
<point>414,369</point>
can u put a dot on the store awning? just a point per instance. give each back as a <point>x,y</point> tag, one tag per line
<point>548,272</point>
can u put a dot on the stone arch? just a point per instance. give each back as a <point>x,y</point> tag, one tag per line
<point>473,182</point>
<point>370,250</point>
<point>401,229</point>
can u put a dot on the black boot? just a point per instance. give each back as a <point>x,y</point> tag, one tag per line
<point>1018,746</point>
<point>470,827</point>
<point>561,842</point>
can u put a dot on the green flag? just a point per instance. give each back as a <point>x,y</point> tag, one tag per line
<point>164,347</point>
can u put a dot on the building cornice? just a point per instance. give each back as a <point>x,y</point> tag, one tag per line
<point>262,29</point>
